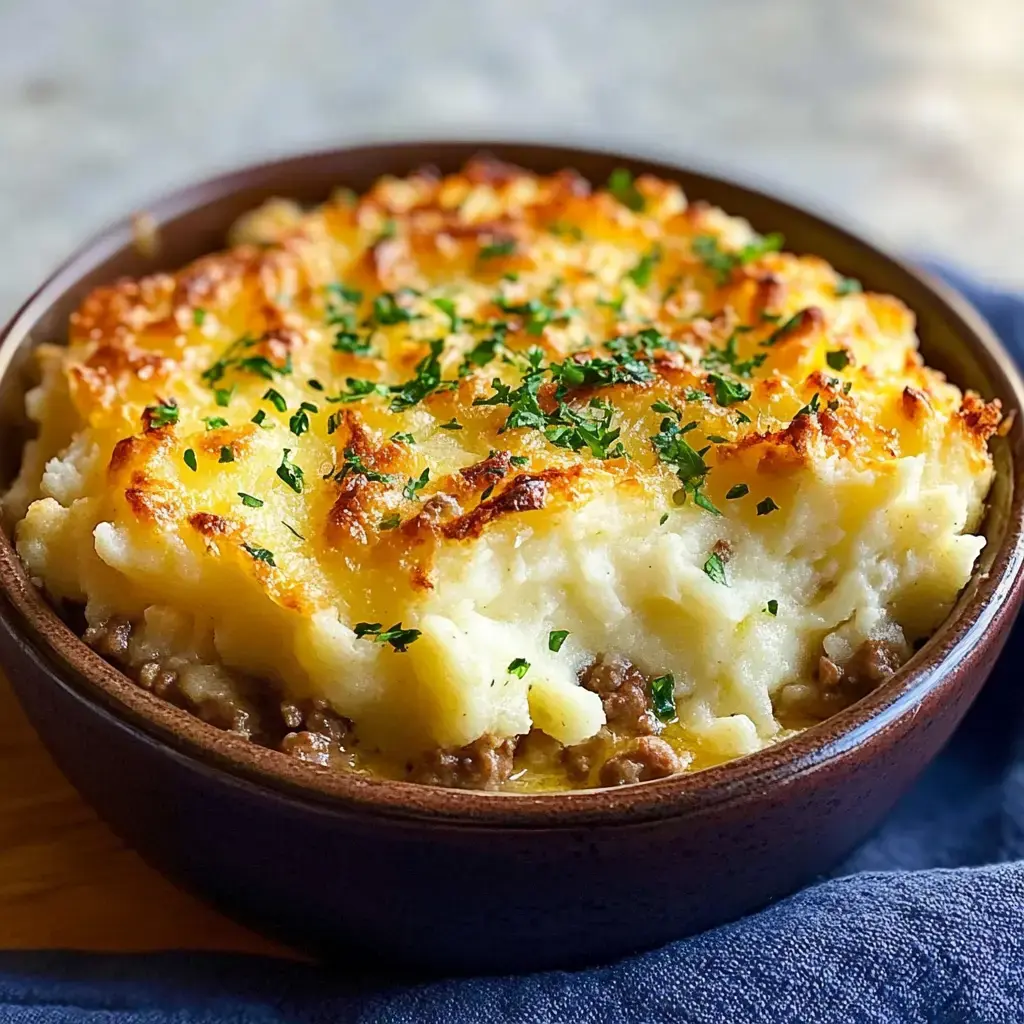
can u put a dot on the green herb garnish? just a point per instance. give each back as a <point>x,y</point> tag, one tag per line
<point>663,697</point>
<point>722,262</point>
<point>640,275</point>
<point>396,636</point>
<point>289,472</point>
<point>261,555</point>
<point>214,422</point>
<point>765,506</point>
<point>249,501</point>
<point>415,484</point>
<point>276,399</point>
<point>227,453</point>
<point>190,459</point>
<point>772,608</point>
<point>556,638</point>
<point>164,414</point>
<point>714,568</point>
<point>622,186</point>
<point>506,247</point>
<point>518,667</point>
<point>737,491</point>
<point>426,380</point>
<point>728,392</point>
<point>839,359</point>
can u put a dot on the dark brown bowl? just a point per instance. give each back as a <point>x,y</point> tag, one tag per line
<point>458,880</point>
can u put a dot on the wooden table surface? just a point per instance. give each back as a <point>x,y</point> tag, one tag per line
<point>66,881</point>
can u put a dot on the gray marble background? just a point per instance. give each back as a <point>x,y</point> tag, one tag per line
<point>904,117</point>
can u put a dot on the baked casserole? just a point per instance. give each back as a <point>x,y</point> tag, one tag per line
<point>503,481</point>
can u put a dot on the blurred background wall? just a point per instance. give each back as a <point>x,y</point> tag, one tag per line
<point>903,117</point>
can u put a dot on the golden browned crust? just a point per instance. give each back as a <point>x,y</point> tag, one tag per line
<point>633,302</point>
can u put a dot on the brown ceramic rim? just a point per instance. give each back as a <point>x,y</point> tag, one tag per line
<point>94,679</point>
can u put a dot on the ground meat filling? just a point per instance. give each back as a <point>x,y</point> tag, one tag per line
<point>646,758</point>
<point>625,693</point>
<point>625,751</point>
<point>485,763</point>
<point>837,687</point>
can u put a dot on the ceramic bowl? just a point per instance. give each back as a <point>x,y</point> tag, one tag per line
<point>467,881</point>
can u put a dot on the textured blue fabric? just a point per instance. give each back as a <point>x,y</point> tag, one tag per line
<point>925,923</point>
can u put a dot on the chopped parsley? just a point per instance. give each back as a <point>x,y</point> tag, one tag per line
<point>812,407</point>
<point>640,275</point>
<point>737,491</point>
<point>518,460</point>
<point>415,484</point>
<point>506,247</point>
<point>688,463</point>
<point>353,465</point>
<point>728,392</point>
<point>190,459</point>
<point>391,522</point>
<point>452,424</point>
<point>315,384</point>
<point>291,529</point>
<point>249,501</point>
<point>483,351</point>
<point>276,399</point>
<point>447,306</point>
<point>663,520</point>
<point>426,380</point>
<point>780,332</point>
<point>223,396</point>
<point>404,437</point>
<point>538,314</point>
<point>838,360</point>
<point>396,636</point>
<point>299,422</point>
<point>341,315</point>
<point>259,418</point>
<point>518,667</point>
<point>556,638</point>
<point>358,390</point>
<point>234,359</point>
<point>714,568</point>
<point>765,506</point>
<point>289,472</point>
<point>723,262</point>
<point>772,607</point>
<point>164,414</point>
<point>663,697</point>
<point>352,343</point>
<point>727,358</point>
<point>198,316</point>
<point>563,230</point>
<point>388,310</point>
<point>848,286</point>
<point>623,188</point>
<point>214,422</point>
<point>568,428</point>
<point>227,453</point>
<point>261,555</point>
<point>340,294</point>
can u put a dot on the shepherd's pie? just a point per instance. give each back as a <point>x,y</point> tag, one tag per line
<point>500,480</point>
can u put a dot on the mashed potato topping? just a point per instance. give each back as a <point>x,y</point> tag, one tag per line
<point>416,459</point>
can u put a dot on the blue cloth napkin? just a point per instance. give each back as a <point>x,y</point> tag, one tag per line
<point>924,923</point>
